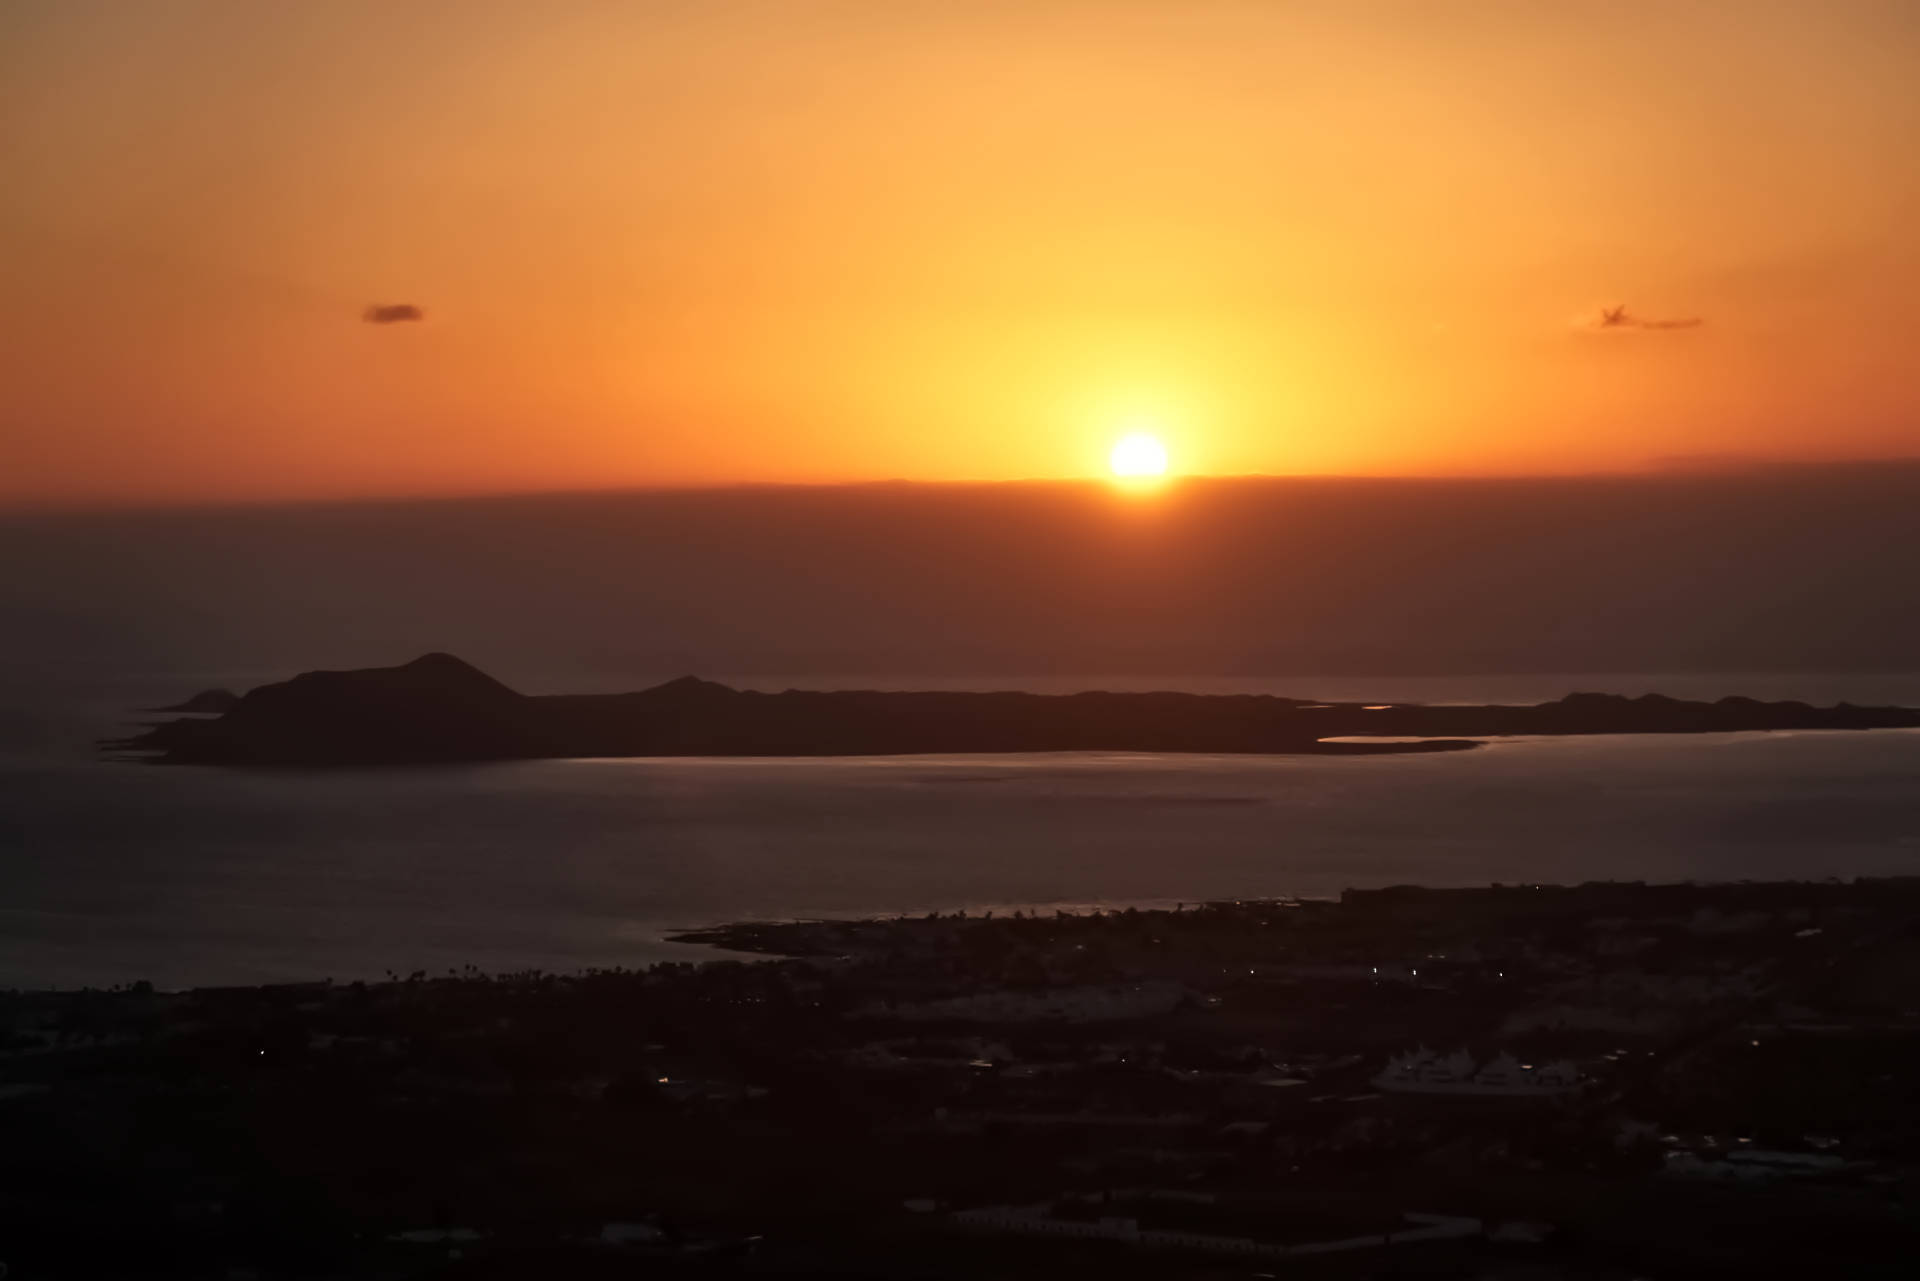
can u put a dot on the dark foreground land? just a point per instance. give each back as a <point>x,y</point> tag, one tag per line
<point>1633,1081</point>
<point>438,708</point>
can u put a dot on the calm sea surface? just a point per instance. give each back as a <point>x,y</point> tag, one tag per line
<point>111,873</point>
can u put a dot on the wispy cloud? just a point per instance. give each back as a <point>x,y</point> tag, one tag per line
<point>392,313</point>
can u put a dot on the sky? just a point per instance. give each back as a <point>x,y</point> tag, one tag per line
<point>714,242</point>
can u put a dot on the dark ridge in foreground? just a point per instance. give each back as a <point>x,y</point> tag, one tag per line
<point>439,708</point>
<point>1524,1083</point>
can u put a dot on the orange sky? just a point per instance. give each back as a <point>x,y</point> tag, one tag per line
<point>702,241</point>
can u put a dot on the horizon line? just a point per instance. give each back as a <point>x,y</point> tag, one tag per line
<point>1679,468</point>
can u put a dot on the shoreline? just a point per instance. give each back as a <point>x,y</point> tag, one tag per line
<point>802,938</point>
<point>752,941</point>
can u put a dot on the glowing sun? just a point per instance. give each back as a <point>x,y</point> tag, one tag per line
<point>1138,456</point>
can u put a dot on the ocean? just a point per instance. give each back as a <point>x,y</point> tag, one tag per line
<point>113,872</point>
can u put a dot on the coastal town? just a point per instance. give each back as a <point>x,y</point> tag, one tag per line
<point>1610,1080</point>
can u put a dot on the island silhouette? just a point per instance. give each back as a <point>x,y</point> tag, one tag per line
<point>439,708</point>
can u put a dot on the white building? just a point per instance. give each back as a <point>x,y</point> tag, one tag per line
<point>1424,1072</point>
<point>1754,1165</point>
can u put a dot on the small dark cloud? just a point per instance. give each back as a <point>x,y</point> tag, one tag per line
<point>392,313</point>
<point>1619,318</point>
